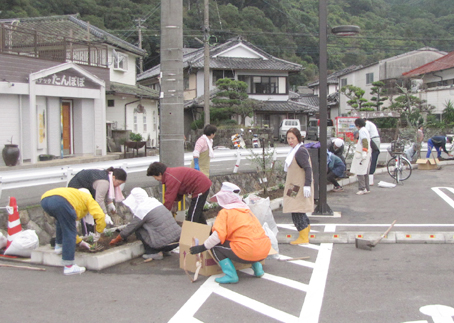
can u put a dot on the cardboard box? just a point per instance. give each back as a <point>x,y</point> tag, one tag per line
<point>427,163</point>
<point>201,232</point>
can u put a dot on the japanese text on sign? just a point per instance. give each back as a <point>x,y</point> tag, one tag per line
<point>64,80</point>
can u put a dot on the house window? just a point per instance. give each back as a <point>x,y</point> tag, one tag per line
<point>154,120</point>
<point>186,81</point>
<point>110,103</point>
<point>222,74</point>
<point>369,78</point>
<point>264,84</point>
<point>145,128</point>
<point>343,82</point>
<point>120,61</point>
<point>135,122</point>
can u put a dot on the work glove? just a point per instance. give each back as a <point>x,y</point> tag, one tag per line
<point>116,240</point>
<point>363,155</point>
<point>96,236</point>
<point>111,207</point>
<point>108,219</point>
<point>85,245</point>
<point>358,155</point>
<point>197,249</point>
<point>196,164</point>
<point>307,191</point>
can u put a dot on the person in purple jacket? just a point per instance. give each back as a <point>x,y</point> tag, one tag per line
<point>180,181</point>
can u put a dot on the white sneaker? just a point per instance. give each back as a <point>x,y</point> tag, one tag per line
<point>58,249</point>
<point>73,270</point>
<point>154,256</point>
<point>362,192</point>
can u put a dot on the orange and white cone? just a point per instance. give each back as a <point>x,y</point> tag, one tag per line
<point>14,225</point>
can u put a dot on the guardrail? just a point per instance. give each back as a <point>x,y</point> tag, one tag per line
<point>63,174</point>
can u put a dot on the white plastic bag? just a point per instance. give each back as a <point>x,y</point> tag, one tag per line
<point>3,241</point>
<point>262,210</point>
<point>23,244</point>
<point>273,239</point>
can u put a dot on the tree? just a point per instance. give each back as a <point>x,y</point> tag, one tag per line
<point>379,95</point>
<point>355,94</point>
<point>232,98</point>
<point>412,109</point>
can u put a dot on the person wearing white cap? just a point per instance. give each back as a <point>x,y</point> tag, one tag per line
<point>236,235</point>
<point>299,186</point>
<point>337,148</point>
<point>152,223</point>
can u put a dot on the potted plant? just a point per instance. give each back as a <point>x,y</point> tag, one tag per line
<point>136,141</point>
<point>10,153</point>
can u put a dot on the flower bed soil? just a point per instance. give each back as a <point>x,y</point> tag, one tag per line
<point>103,243</point>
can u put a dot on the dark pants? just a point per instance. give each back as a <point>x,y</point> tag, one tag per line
<point>331,177</point>
<point>148,249</point>
<point>300,220</point>
<point>222,251</point>
<point>65,215</point>
<point>195,212</point>
<point>373,161</point>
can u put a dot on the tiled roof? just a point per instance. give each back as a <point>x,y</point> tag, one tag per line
<point>138,91</point>
<point>195,59</point>
<point>285,106</point>
<point>72,26</point>
<point>443,63</point>
<point>333,77</point>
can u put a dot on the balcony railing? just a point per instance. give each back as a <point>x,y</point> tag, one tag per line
<point>21,41</point>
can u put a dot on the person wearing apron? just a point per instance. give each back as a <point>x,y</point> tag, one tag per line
<point>203,150</point>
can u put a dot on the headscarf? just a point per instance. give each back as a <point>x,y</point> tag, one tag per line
<point>114,192</point>
<point>291,154</point>
<point>140,203</point>
<point>228,197</point>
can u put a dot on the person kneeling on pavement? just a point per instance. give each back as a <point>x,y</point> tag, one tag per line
<point>336,168</point>
<point>236,235</point>
<point>152,223</point>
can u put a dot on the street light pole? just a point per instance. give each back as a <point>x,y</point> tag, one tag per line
<point>322,207</point>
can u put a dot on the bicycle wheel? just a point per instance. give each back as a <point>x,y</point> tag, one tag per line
<point>405,169</point>
<point>391,166</point>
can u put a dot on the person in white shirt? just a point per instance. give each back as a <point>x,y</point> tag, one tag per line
<point>375,146</point>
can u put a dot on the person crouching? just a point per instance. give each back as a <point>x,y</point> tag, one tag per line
<point>152,223</point>
<point>236,235</point>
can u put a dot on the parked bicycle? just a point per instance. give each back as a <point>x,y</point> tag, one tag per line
<point>399,167</point>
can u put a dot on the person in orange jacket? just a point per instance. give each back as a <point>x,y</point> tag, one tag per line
<point>236,235</point>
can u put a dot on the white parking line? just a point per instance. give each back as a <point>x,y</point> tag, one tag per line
<point>443,195</point>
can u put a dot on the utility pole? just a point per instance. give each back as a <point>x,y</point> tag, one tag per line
<point>171,145</point>
<point>206,64</point>
<point>139,22</point>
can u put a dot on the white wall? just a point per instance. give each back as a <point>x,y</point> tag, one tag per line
<point>9,121</point>
<point>125,77</point>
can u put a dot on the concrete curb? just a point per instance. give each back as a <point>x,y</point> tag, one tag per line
<point>347,237</point>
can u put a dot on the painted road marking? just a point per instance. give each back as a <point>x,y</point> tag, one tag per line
<point>443,195</point>
<point>312,305</point>
<point>439,314</point>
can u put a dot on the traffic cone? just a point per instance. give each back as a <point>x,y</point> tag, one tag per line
<point>14,225</point>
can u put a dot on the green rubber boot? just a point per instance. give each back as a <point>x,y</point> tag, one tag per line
<point>229,270</point>
<point>258,269</point>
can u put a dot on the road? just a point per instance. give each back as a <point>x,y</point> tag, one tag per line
<point>338,283</point>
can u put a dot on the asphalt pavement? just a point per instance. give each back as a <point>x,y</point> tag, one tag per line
<point>394,282</point>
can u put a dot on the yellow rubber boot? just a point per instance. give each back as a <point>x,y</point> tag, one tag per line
<point>303,237</point>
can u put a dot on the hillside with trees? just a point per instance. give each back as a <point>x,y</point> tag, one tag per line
<point>285,28</point>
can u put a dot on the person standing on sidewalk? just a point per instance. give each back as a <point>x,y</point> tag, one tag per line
<point>375,146</point>
<point>203,150</point>
<point>439,142</point>
<point>299,185</point>
<point>67,205</point>
<point>362,156</point>
<point>180,181</point>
